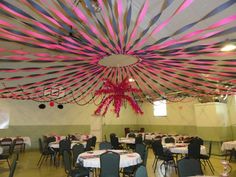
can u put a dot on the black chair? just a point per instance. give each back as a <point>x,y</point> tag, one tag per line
<point>169,139</point>
<point>64,145</point>
<point>142,150</point>
<point>93,143</point>
<point>197,140</point>
<point>19,144</point>
<point>50,139</point>
<point>6,144</point>
<point>6,155</point>
<point>139,139</point>
<point>206,158</point>
<point>160,154</point>
<point>104,145</point>
<point>109,162</point>
<point>127,130</point>
<point>73,172</point>
<point>189,167</point>
<point>142,130</point>
<point>77,149</point>
<point>45,153</point>
<point>13,165</point>
<point>131,135</point>
<point>194,150</point>
<point>115,143</point>
<point>89,145</point>
<point>141,172</point>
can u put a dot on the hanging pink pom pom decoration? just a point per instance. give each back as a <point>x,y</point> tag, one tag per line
<point>116,94</point>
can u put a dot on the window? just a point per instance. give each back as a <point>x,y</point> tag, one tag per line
<point>159,108</point>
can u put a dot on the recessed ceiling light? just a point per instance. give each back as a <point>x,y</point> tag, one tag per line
<point>228,47</point>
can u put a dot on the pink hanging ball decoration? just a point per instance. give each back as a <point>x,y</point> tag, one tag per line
<point>51,103</point>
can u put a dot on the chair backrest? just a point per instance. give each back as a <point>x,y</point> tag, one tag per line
<point>141,149</point>
<point>139,139</point>
<point>13,166</point>
<point>114,142</point>
<point>157,148</point>
<point>18,144</point>
<point>127,130</point>
<point>50,139</point>
<point>210,148</point>
<point>77,149</point>
<point>41,148</point>
<point>89,145</point>
<point>141,172</point>
<point>6,144</point>
<point>189,167</point>
<point>169,139</point>
<point>64,145</point>
<point>142,130</point>
<point>131,135</point>
<point>194,150</point>
<point>94,140</point>
<point>67,161</point>
<point>105,145</point>
<point>197,140</point>
<point>109,162</point>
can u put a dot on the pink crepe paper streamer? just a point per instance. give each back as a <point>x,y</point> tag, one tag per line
<point>140,18</point>
<point>183,6</point>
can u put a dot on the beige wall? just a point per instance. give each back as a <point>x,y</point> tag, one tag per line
<point>26,119</point>
<point>28,113</point>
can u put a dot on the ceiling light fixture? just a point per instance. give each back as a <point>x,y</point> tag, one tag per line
<point>131,80</point>
<point>228,48</point>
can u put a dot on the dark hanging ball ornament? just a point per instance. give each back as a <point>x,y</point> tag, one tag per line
<point>60,106</point>
<point>42,106</point>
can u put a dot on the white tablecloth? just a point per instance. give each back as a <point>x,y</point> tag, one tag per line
<point>26,139</point>
<point>55,145</point>
<point>229,145</point>
<point>91,159</point>
<point>127,140</point>
<point>182,148</point>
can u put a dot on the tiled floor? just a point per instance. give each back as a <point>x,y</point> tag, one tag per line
<point>27,167</point>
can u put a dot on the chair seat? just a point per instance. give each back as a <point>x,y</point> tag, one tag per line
<point>79,172</point>
<point>129,170</point>
<point>4,156</point>
<point>204,157</point>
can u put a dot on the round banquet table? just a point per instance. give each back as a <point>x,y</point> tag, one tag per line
<point>182,148</point>
<point>127,140</point>
<point>229,145</point>
<point>91,158</point>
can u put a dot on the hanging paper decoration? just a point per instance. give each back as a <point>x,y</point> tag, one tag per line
<point>117,94</point>
<point>58,45</point>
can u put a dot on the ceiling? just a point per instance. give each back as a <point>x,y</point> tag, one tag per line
<point>62,50</point>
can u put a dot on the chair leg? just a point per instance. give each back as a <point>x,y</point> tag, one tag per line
<point>40,159</point>
<point>210,166</point>
<point>8,164</point>
<point>155,166</point>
